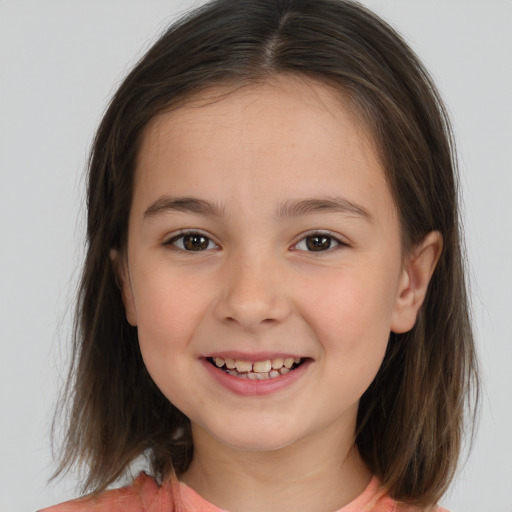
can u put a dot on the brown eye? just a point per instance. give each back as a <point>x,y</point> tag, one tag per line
<point>317,242</point>
<point>192,242</point>
<point>195,242</point>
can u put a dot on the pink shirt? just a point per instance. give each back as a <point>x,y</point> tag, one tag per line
<point>144,495</point>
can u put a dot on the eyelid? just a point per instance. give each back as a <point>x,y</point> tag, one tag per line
<point>173,237</point>
<point>334,236</point>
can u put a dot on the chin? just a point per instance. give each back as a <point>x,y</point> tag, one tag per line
<point>254,438</point>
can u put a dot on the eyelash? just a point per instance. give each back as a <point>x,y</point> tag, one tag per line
<point>183,234</point>
<point>321,234</point>
<point>206,239</point>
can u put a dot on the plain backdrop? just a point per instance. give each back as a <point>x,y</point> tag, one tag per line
<point>60,60</point>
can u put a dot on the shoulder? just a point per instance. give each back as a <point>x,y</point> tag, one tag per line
<point>375,498</point>
<point>407,508</point>
<point>140,496</point>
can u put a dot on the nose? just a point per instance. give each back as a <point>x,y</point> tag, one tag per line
<point>253,294</point>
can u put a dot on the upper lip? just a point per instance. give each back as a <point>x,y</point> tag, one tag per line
<point>253,356</point>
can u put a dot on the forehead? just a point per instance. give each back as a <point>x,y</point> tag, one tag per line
<point>289,133</point>
<point>297,98</point>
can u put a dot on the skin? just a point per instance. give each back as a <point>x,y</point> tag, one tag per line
<point>256,288</point>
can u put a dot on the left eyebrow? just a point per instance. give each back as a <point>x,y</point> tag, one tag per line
<point>194,205</point>
<point>320,205</point>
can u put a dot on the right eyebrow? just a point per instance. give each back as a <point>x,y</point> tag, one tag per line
<point>167,204</point>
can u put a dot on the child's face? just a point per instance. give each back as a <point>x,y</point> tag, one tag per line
<point>257,181</point>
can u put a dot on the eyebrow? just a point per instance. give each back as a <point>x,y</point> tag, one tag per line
<point>166,204</point>
<point>290,208</point>
<point>328,205</point>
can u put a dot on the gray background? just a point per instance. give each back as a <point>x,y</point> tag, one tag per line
<point>60,60</point>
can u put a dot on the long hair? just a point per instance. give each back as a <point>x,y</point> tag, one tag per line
<point>411,419</point>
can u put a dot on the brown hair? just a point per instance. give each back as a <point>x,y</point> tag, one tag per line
<point>411,419</point>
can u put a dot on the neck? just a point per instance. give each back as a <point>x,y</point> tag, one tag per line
<point>312,475</point>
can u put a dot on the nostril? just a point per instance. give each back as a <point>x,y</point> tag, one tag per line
<point>265,321</point>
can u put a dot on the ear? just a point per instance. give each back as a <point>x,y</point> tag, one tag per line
<point>123,277</point>
<point>417,271</point>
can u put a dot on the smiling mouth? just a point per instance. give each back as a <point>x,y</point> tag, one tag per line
<point>259,370</point>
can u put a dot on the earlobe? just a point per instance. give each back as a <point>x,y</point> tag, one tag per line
<point>121,269</point>
<point>413,286</point>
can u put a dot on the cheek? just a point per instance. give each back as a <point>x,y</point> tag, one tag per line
<point>167,319</point>
<point>351,317</point>
<point>349,304</point>
<point>168,310</point>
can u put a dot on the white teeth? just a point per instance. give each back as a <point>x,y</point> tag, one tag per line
<point>230,364</point>
<point>288,362</point>
<point>272,374</point>
<point>277,363</point>
<point>262,366</point>
<point>270,368</point>
<point>243,366</point>
<point>257,376</point>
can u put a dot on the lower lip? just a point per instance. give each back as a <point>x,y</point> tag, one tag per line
<point>248,387</point>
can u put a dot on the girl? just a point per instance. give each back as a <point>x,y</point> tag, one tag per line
<point>273,308</point>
